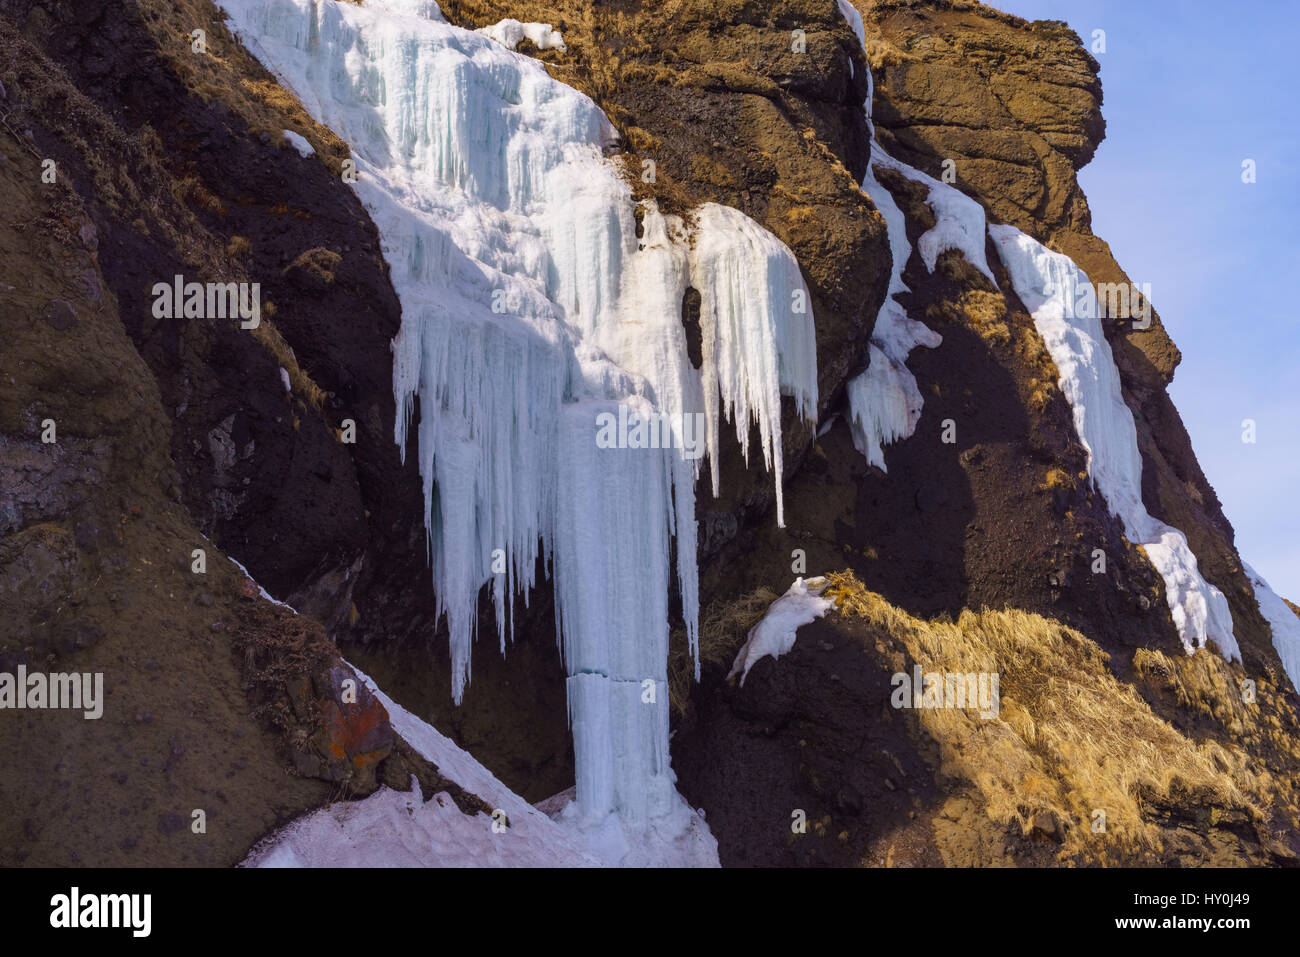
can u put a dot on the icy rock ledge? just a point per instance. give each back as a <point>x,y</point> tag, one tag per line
<point>1282,620</point>
<point>1060,297</point>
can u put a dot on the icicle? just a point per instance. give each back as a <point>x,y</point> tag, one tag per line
<point>758,335</point>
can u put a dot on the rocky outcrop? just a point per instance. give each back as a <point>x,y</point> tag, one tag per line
<point>1003,517</point>
<point>274,446</point>
<point>135,450</point>
<point>1016,107</point>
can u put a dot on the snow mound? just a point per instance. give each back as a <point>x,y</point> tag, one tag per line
<point>1283,621</point>
<point>397,829</point>
<point>774,635</point>
<point>298,142</point>
<point>510,33</point>
<point>1061,300</point>
<point>680,839</point>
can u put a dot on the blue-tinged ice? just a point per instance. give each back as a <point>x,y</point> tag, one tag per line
<point>530,307</point>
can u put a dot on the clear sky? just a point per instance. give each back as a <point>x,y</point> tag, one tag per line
<point>1193,88</point>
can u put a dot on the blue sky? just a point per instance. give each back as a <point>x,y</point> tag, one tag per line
<point>1191,90</point>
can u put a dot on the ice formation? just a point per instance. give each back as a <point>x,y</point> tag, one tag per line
<point>759,340</point>
<point>298,142</point>
<point>1061,300</point>
<point>884,401</point>
<point>775,633</point>
<point>530,307</point>
<point>1282,620</point>
<point>510,33</point>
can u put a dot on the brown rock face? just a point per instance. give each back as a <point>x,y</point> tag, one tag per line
<point>170,430</point>
<point>1027,117</point>
<point>1001,517</point>
<point>96,576</point>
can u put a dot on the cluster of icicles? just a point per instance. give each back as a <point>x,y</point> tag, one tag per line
<point>531,307</point>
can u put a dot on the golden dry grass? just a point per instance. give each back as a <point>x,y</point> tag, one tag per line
<point>1070,738</point>
<point>1055,479</point>
<point>300,382</point>
<point>227,73</point>
<point>723,628</point>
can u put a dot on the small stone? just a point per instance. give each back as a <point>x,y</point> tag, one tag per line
<point>60,314</point>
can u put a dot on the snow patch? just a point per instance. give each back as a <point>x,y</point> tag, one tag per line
<point>1057,293</point>
<point>510,33</point>
<point>298,142</point>
<point>1283,621</point>
<point>774,635</point>
<point>960,226</point>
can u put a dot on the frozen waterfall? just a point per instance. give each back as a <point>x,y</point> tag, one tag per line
<point>530,307</point>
